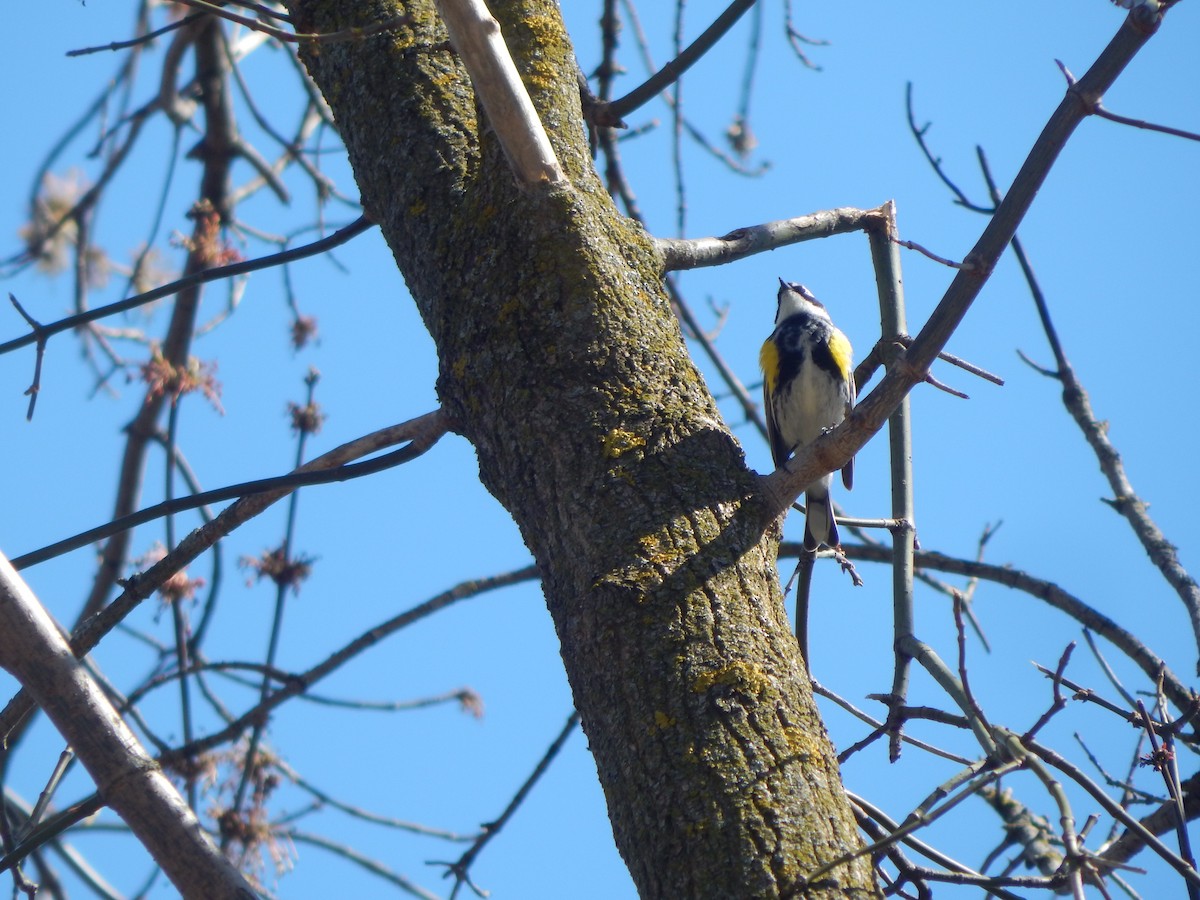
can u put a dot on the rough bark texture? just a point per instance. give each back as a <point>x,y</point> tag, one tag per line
<point>563,365</point>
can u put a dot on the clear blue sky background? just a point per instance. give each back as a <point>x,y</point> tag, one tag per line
<point>1111,237</point>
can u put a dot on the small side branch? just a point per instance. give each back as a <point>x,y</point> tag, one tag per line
<point>40,334</point>
<point>935,162</point>
<point>346,34</point>
<point>475,36</point>
<point>1143,657</point>
<point>697,253</point>
<point>421,432</point>
<point>1098,109</point>
<point>670,73</point>
<point>216,273</point>
<point>461,869</point>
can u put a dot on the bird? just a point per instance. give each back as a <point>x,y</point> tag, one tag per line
<point>808,388</point>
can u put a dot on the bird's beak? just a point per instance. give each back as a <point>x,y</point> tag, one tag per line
<point>782,283</point>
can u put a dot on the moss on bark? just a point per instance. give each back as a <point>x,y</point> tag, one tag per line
<point>562,363</point>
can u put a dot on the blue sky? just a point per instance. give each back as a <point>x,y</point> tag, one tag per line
<point>1109,235</point>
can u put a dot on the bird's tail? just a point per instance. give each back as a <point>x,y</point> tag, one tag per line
<point>819,526</point>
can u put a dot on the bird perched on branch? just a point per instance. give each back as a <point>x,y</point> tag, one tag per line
<point>808,388</point>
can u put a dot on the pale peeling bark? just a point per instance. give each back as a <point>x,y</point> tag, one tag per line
<point>35,651</point>
<point>563,365</point>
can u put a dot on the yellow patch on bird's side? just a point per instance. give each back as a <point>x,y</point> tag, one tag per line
<point>842,353</point>
<point>768,360</point>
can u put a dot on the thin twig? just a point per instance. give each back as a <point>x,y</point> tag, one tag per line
<point>935,162</point>
<point>360,859</point>
<point>422,431</point>
<point>283,585</point>
<point>822,691</point>
<point>40,334</point>
<point>1097,109</point>
<point>140,39</point>
<point>287,483</point>
<point>913,245</point>
<point>671,72</point>
<point>346,34</point>
<point>216,273</point>
<point>1149,662</point>
<point>1058,703</point>
<point>461,868</point>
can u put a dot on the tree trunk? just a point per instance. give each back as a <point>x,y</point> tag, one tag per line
<point>562,363</point>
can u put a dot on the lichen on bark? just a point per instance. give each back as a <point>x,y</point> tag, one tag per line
<point>563,365</point>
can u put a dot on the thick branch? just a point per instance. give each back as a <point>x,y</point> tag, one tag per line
<point>34,651</point>
<point>738,244</point>
<point>671,72</point>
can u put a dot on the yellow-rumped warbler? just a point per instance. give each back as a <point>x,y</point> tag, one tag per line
<point>808,387</point>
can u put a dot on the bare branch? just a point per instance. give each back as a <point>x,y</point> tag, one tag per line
<point>1058,703</point>
<point>297,684</point>
<point>35,652</point>
<point>387,821</point>
<point>1160,821</point>
<point>1163,760</point>
<point>346,34</point>
<point>294,686</point>
<point>357,227</point>
<point>461,868</point>
<point>360,859</point>
<point>1098,105</point>
<point>1126,501</point>
<point>140,39</point>
<point>916,821</point>
<point>301,477</point>
<point>1148,126</point>
<point>1116,811</point>
<point>422,431</point>
<point>949,263</point>
<point>1146,660</point>
<point>958,873</point>
<point>696,253</point>
<point>670,73</point>
<point>1032,833</point>
<point>935,162</point>
<point>476,37</point>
